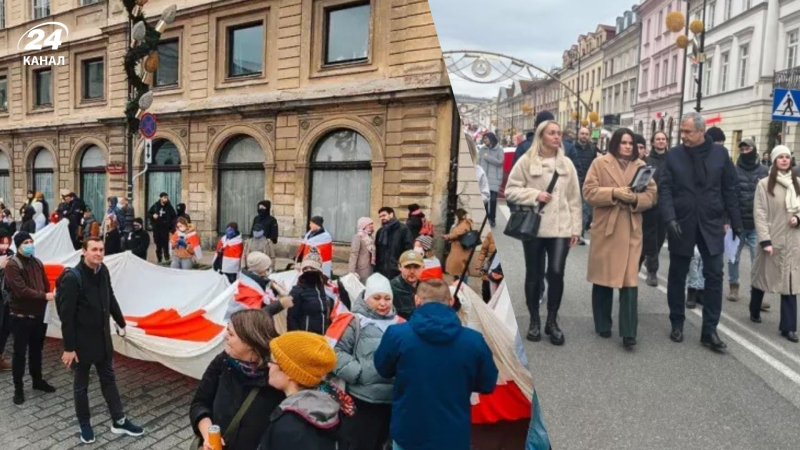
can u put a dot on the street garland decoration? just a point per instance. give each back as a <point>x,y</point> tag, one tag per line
<point>135,54</point>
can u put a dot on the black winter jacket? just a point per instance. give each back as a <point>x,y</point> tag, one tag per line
<point>137,241</point>
<point>656,161</point>
<point>267,221</point>
<point>403,297</point>
<point>387,256</point>
<point>166,217</point>
<point>221,392</point>
<point>84,311</point>
<point>749,176</point>
<point>311,311</point>
<point>308,420</point>
<point>113,242</point>
<point>586,156</point>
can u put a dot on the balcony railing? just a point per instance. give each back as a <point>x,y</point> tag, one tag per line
<point>787,79</point>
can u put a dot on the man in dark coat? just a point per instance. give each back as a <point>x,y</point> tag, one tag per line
<point>137,240</point>
<point>586,153</point>
<point>30,292</point>
<point>654,230</point>
<point>126,222</point>
<point>181,212</point>
<point>749,172</point>
<point>73,209</point>
<point>84,308</point>
<point>267,221</point>
<point>163,217</point>
<point>392,239</point>
<point>697,188</point>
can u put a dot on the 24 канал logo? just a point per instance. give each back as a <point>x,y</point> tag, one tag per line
<point>37,39</point>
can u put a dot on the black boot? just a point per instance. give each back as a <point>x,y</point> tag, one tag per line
<point>691,298</point>
<point>551,329</point>
<point>532,299</point>
<point>700,296</point>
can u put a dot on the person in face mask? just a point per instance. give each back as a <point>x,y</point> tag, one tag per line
<point>258,243</point>
<point>30,292</point>
<point>137,241</point>
<point>749,172</point>
<point>5,322</point>
<point>267,221</point>
<point>7,223</point>
<point>185,245</point>
<point>228,257</point>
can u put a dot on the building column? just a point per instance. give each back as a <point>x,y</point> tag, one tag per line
<point>768,65</point>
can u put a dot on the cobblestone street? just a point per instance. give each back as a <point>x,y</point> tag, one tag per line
<point>154,397</point>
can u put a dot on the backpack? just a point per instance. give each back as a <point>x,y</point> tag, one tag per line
<point>5,290</point>
<point>60,280</point>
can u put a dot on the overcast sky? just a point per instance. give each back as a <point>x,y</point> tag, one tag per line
<point>537,31</point>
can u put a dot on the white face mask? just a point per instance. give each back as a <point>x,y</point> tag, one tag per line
<point>419,250</point>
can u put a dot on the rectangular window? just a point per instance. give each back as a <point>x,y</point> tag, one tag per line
<point>2,14</point>
<point>728,9</point>
<point>40,8</point>
<point>674,77</point>
<point>712,11</point>
<point>347,34</point>
<point>645,76</point>
<point>666,73</point>
<point>3,94</point>
<point>646,34</point>
<point>791,49</point>
<point>245,50</point>
<point>93,77</point>
<point>724,70</point>
<point>656,74</point>
<point>168,54</point>
<point>89,2</point>
<point>707,75</point>
<point>694,80</point>
<point>42,80</point>
<point>744,56</point>
<point>660,22</point>
<point>747,4</point>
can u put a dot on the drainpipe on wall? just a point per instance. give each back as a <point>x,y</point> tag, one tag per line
<point>452,184</point>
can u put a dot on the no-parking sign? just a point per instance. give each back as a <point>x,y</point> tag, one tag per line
<point>147,125</point>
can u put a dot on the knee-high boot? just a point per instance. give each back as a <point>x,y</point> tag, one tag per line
<point>532,300</point>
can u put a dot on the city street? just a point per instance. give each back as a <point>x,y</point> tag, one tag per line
<point>154,397</point>
<point>659,395</point>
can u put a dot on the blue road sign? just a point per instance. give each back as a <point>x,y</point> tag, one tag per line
<point>785,105</point>
<point>147,125</point>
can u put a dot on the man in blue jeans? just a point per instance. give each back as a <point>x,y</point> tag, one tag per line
<point>437,364</point>
<point>749,172</point>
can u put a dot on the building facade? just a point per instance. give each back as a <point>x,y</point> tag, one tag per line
<point>621,72</point>
<point>582,71</point>
<point>660,71</point>
<point>330,107</point>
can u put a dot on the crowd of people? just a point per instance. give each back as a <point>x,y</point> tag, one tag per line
<point>335,379</point>
<point>697,198</point>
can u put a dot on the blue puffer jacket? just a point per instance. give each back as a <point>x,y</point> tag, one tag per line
<point>432,411</point>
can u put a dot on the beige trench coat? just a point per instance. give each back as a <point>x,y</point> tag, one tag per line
<point>360,262</point>
<point>457,259</point>
<point>773,273</point>
<point>616,237</point>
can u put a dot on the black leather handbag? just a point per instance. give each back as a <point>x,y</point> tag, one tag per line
<point>525,220</point>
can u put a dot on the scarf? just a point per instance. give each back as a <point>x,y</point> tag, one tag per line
<point>248,369</point>
<point>792,202</point>
<point>748,161</point>
<point>345,401</point>
<point>623,164</point>
<point>698,156</point>
<point>388,229</point>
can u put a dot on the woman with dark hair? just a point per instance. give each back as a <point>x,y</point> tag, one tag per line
<point>491,158</point>
<point>655,230</point>
<point>237,373</point>
<point>457,259</point>
<point>28,224</point>
<point>616,234</point>
<point>777,219</point>
<point>312,306</point>
<point>560,224</point>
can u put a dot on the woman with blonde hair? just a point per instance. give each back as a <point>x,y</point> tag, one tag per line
<point>533,182</point>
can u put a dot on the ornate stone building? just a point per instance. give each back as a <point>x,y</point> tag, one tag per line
<point>327,107</point>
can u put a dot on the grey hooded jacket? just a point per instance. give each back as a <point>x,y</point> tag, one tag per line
<point>355,352</point>
<point>491,160</point>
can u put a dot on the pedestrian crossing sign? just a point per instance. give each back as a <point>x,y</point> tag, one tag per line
<point>785,105</point>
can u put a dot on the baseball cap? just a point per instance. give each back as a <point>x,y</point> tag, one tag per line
<point>410,257</point>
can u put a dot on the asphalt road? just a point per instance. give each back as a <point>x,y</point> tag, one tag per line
<point>596,394</point>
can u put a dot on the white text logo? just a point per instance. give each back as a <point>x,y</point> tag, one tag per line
<point>37,40</point>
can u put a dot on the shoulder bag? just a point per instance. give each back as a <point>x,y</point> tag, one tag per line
<point>233,427</point>
<point>525,220</point>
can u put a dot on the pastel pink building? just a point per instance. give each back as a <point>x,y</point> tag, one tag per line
<point>660,71</point>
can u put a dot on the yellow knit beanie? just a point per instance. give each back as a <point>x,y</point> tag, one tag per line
<point>305,357</point>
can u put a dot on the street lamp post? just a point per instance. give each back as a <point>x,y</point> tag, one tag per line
<point>574,54</point>
<point>701,61</point>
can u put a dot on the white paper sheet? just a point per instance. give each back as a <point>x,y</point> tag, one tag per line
<point>731,246</point>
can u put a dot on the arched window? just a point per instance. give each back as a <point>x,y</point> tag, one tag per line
<point>164,174</point>
<point>43,174</point>
<point>641,128</point>
<point>670,127</point>
<point>652,128</point>
<point>5,179</point>
<point>341,182</point>
<point>661,124</point>
<point>93,180</point>
<point>241,182</point>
